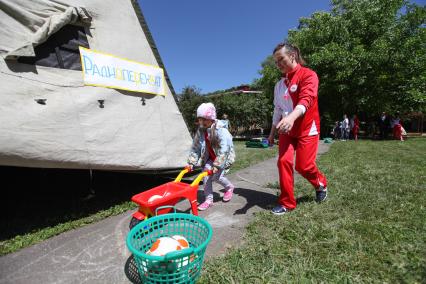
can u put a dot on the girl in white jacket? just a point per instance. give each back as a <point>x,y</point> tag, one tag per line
<point>214,147</point>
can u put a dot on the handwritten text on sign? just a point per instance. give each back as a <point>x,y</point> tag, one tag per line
<point>104,70</point>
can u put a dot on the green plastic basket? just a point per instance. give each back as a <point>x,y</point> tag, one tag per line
<point>182,266</point>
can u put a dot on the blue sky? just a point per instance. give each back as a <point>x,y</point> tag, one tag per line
<point>219,44</point>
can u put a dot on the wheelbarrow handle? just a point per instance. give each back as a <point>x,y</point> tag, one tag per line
<point>182,173</point>
<point>197,181</point>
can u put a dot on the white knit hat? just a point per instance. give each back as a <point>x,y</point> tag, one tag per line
<point>207,111</point>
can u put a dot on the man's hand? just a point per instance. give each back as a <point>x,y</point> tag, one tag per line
<point>215,170</point>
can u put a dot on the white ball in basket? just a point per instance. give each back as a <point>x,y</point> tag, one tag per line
<point>182,241</point>
<point>163,246</point>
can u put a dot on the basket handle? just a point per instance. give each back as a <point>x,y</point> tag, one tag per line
<point>164,207</point>
<point>178,254</point>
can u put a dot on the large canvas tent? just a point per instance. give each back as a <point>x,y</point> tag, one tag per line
<point>50,119</point>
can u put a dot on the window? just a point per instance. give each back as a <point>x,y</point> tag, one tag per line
<point>60,50</point>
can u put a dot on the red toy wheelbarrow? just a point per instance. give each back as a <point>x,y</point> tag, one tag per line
<point>167,195</point>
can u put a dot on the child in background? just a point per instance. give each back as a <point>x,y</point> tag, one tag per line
<point>355,127</point>
<point>336,130</point>
<point>345,128</point>
<point>397,128</point>
<point>214,147</point>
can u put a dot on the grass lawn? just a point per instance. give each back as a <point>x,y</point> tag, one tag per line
<point>31,213</point>
<point>250,156</point>
<point>371,229</point>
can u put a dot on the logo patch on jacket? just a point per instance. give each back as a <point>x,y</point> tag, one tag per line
<point>286,95</point>
<point>293,88</point>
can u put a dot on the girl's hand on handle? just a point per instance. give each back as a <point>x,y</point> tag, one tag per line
<point>189,168</point>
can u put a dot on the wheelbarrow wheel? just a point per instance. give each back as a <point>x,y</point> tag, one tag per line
<point>134,222</point>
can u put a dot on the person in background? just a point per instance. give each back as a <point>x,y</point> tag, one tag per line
<point>397,128</point>
<point>383,123</point>
<point>336,130</point>
<point>225,121</point>
<point>345,128</point>
<point>355,127</point>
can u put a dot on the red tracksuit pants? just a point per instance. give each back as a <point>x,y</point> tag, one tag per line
<point>397,132</point>
<point>306,153</point>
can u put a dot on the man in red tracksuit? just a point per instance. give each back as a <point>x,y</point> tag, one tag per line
<point>296,118</point>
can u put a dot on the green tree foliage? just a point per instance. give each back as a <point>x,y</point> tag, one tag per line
<point>189,100</point>
<point>244,110</point>
<point>370,56</point>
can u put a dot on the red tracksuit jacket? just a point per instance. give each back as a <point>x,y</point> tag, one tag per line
<point>302,84</point>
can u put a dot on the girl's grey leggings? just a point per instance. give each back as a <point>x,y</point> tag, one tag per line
<point>218,177</point>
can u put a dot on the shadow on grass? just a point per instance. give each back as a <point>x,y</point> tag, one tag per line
<point>305,199</point>
<point>34,199</point>
<point>299,200</point>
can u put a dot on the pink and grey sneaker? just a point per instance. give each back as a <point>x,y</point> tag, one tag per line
<point>205,205</point>
<point>228,194</point>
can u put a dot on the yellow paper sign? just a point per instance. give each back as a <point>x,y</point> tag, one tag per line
<point>105,70</point>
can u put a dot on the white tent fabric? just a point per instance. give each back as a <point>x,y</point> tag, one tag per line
<point>26,24</point>
<point>71,130</point>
